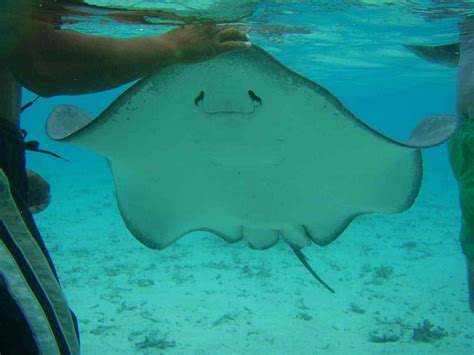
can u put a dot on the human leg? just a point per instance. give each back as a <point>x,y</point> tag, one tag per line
<point>32,303</point>
<point>461,156</point>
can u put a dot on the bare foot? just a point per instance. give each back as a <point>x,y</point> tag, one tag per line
<point>38,194</point>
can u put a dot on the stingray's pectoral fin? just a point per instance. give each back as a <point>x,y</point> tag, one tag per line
<point>433,130</point>
<point>65,120</point>
<point>324,231</point>
<point>230,234</point>
<point>447,54</point>
<point>261,238</point>
<point>296,236</point>
<point>308,267</point>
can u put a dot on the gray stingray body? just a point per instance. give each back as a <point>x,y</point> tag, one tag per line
<point>447,54</point>
<point>246,148</point>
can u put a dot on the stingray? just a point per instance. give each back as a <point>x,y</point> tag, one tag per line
<point>245,148</point>
<point>447,54</point>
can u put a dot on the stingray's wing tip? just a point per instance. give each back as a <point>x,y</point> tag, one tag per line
<point>65,120</point>
<point>433,130</point>
<point>447,54</point>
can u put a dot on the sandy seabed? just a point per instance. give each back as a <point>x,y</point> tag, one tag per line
<point>399,279</point>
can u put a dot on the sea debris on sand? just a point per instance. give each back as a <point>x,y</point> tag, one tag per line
<point>425,332</point>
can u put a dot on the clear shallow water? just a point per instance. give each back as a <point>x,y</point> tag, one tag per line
<point>203,296</point>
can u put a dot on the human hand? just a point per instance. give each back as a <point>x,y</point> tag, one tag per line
<point>195,43</point>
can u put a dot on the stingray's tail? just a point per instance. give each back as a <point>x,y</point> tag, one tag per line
<point>308,267</point>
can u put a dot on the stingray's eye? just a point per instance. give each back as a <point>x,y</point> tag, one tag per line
<point>255,98</point>
<point>199,98</point>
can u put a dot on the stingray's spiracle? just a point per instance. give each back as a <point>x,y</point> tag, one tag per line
<point>255,98</point>
<point>199,98</point>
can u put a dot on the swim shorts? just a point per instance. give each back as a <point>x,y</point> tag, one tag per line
<point>461,156</point>
<point>34,315</point>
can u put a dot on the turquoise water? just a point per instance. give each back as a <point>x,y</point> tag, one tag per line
<point>391,272</point>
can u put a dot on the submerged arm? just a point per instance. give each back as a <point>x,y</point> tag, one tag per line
<point>51,62</point>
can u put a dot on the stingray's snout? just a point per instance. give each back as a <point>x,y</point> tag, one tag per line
<point>228,103</point>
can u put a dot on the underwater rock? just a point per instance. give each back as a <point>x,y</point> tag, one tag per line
<point>427,334</point>
<point>155,340</point>
<point>356,309</point>
<point>385,334</point>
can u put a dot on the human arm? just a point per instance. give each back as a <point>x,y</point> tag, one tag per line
<point>52,62</point>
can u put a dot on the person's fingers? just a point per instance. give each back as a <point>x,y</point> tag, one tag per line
<point>233,46</point>
<point>231,34</point>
